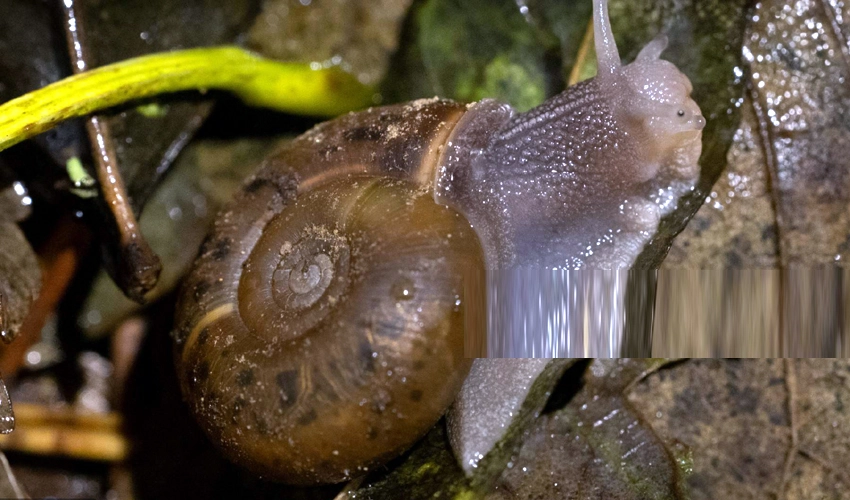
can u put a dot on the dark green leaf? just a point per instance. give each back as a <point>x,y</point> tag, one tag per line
<point>429,469</point>
<point>358,35</point>
<point>568,20</point>
<point>597,446</point>
<point>475,49</point>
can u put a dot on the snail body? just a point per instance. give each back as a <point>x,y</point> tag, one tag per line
<point>321,330</point>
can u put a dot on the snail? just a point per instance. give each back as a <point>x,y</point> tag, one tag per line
<point>321,330</point>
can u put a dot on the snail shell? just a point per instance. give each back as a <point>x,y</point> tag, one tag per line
<point>321,330</point>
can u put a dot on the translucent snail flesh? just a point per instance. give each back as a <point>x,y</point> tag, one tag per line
<point>320,332</point>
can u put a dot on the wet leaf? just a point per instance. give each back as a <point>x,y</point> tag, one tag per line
<point>597,446</point>
<point>756,428</point>
<point>475,49</point>
<point>617,376</point>
<point>431,469</point>
<point>33,53</point>
<point>569,456</point>
<point>784,197</point>
<point>20,278</point>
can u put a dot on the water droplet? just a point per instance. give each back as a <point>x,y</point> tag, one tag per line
<point>403,289</point>
<point>7,415</point>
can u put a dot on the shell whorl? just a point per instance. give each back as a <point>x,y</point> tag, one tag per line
<point>321,330</point>
<point>300,267</point>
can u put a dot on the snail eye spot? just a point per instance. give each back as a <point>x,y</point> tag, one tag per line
<point>681,112</point>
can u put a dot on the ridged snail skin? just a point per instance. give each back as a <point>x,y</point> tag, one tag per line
<point>321,329</point>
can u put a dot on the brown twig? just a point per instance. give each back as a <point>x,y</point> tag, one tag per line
<point>138,266</point>
<point>583,53</point>
<point>814,457</point>
<point>654,367</point>
<point>126,341</point>
<point>791,388</point>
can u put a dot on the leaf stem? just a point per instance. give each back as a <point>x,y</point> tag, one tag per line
<point>289,87</point>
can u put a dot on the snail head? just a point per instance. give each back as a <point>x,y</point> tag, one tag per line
<point>658,107</point>
<point>652,101</point>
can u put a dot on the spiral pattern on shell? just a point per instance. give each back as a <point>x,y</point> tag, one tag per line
<point>321,330</point>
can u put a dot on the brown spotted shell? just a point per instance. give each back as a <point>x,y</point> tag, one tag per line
<point>321,330</point>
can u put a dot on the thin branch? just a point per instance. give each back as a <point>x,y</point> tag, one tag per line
<point>139,266</point>
<point>814,457</point>
<point>655,365</point>
<point>584,53</point>
<point>772,166</point>
<point>791,388</point>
